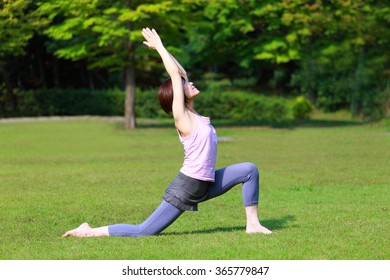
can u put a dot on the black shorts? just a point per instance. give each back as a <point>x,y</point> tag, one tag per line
<point>185,192</point>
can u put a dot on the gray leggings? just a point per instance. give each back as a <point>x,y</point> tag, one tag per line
<point>225,178</point>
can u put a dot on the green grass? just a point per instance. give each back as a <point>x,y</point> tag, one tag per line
<point>324,192</point>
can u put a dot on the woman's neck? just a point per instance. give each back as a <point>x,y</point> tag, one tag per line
<point>190,106</point>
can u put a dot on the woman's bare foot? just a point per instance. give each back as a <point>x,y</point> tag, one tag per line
<point>252,221</point>
<point>84,230</point>
<point>257,229</point>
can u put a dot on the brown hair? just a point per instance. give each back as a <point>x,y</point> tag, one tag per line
<point>165,95</point>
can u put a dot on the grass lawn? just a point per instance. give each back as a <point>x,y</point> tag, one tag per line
<point>325,192</point>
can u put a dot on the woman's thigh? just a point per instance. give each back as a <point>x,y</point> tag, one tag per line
<point>230,176</point>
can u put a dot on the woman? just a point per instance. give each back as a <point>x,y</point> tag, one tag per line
<point>197,181</point>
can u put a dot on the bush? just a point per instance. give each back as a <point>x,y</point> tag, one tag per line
<point>342,77</point>
<point>147,105</point>
<point>225,105</point>
<point>302,108</point>
<point>241,106</point>
<point>376,104</point>
<point>56,102</point>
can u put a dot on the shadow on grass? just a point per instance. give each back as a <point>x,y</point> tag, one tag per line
<point>324,123</point>
<point>206,231</point>
<point>272,224</point>
<point>282,223</point>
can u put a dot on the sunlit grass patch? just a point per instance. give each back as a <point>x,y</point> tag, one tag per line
<point>324,192</point>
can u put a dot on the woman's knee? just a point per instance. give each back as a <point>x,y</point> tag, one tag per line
<point>251,171</point>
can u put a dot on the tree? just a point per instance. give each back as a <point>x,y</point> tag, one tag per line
<point>16,17</point>
<point>250,35</point>
<point>346,57</point>
<point>337,50</point>
<point>108,34</point>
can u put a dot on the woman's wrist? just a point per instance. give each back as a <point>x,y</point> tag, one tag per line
<point>161,49</point>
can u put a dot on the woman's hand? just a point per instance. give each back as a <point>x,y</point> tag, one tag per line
<point>153,40</point>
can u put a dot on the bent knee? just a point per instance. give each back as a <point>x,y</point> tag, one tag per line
<point>251,169</point>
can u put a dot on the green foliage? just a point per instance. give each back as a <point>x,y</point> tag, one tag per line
<point>55,102</point>
<point>241,106</point>
<point>18,22</point>
<point>340,48</point>
<point>346,60</point>
<point>88,30</point>
<point>75,102</point>
<point>272,31</point>
<point>213,82</point>
<point>147,105</point>
<point>302,107</point>
<point>107,34</point>
<point>345,80</point>
<point>376,104</point>
<point>222,98</point>
<point>226,105</point>
<point>334,52</point>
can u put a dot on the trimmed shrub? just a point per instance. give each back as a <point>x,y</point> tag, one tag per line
<point>302,108</point>
<point>55,102</point>
<point>226,105</point>
<point>241,106</point>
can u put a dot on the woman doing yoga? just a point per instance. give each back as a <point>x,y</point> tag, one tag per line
<point>197,181</point>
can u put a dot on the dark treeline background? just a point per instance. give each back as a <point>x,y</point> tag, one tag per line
<point>334,52</point>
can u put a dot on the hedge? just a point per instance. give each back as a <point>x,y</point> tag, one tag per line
<point>56,102</point>
<point>227,105</point>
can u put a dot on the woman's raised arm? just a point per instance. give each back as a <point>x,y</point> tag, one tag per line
<point>153,41</point>
<point>183,121</point>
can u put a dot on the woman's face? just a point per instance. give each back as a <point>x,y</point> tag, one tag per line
<point>190,90</point>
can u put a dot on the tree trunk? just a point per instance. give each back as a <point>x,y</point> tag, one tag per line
<point>10,105</point>
<point>56,72</point>
<point>41,68</point>
<point>356,93</point>
<point>130,82</point>
<point>130,97</point>
<point>2,95</point>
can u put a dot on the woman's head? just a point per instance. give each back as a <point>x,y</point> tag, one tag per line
<point>165,94</point>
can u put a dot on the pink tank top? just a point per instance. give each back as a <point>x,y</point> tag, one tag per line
<point>200,151</point>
